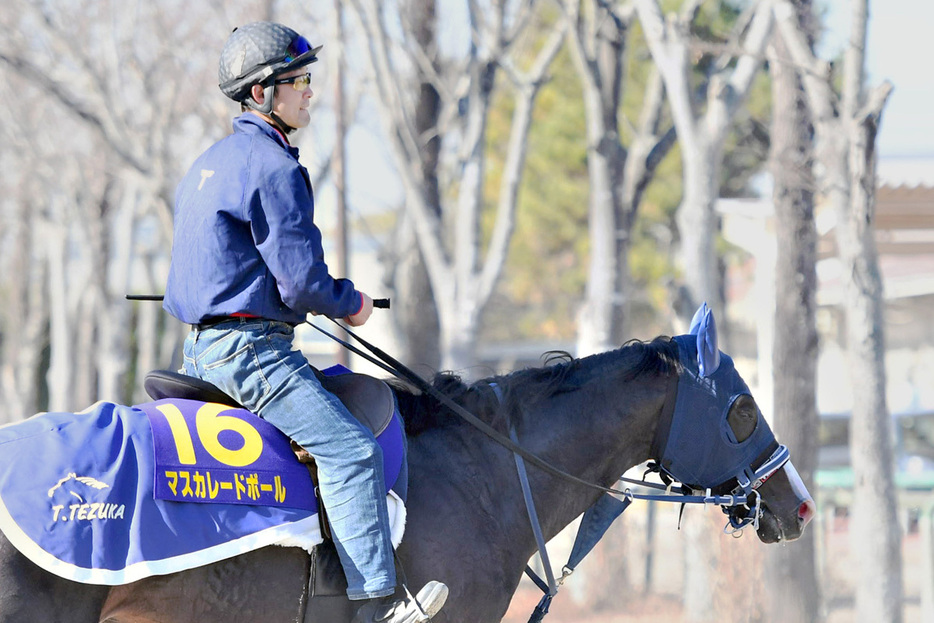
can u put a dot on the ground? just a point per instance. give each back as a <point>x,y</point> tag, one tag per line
<point>623,598</point>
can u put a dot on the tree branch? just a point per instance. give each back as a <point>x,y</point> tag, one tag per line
<point>404,145</point>
<point>528,88</point>
<point>814,73</point>
<point>102,125</point>
<point>667,45</point>
<point>648,149</point>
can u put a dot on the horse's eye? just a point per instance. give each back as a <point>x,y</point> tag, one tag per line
<point>743,417</point>
<point>745,407</point>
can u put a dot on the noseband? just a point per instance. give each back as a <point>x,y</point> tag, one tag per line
<point>741,515</point>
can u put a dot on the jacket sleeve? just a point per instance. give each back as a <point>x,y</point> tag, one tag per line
<point>281,213</point>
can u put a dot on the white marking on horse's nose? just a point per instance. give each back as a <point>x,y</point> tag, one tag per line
<point>797,485</point>
<point>806,512</point>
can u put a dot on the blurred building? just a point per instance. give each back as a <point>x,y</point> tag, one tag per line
<point>905,243</point>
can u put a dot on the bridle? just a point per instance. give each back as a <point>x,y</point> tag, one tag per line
<point>738,519</point>
<point>674,492</point>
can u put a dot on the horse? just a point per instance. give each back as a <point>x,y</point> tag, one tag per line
<point>594,417</point>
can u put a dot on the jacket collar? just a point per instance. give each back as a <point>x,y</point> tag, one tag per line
<point>251,123</point>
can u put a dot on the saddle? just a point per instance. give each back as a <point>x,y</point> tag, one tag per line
<point>368,399</point>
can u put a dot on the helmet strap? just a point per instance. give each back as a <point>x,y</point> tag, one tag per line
<point>265,108</point>
<point>285,127</point>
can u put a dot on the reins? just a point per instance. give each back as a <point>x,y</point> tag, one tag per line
<point>394,367</point>
<point>388,363</point>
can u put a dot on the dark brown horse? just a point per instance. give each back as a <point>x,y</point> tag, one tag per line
<point>467,523</point>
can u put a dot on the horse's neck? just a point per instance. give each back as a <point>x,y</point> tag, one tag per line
<point>595,433</point>
<point>468,522</point>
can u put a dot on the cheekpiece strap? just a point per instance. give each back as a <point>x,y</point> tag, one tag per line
<point>775,462</point>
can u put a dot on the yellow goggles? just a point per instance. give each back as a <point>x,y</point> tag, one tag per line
<point>299,83</point>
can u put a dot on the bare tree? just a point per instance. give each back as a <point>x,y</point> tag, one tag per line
<point>618,174</point>
<point>51,192</point>
<point>23,263</point>
<point>416,313</point>
<point>791,571</point>
<point>702,124</point>
<point>121,87</point>
<point>846,129</point>
<point>462,278</point>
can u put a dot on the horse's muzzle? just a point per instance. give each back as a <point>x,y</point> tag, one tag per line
<point>788,506</point>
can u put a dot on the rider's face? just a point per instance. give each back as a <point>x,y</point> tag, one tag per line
<point>291,105</point>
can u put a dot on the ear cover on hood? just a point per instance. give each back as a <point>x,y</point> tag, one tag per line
<point>704,327</point>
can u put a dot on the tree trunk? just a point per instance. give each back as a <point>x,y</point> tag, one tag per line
<point>338,166</point>
<point>876,536</point>
<point>22,319</point>
<point>596,320</point>
<point>846,133</point>
<point>416,314</point>
<point>701,137</point>
<point>599,47</point>
<point>119,219</point>
<point>791,571</point>
<point>698,227</point>
<point>85,352</point>
<point>459,338</point>
<point>701,563</point>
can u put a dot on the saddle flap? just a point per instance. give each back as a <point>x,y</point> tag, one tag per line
<point>369,399</point>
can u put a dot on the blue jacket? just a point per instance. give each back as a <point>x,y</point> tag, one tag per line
<point>245,240</point>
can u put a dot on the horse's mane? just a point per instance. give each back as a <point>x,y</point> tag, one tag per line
<point>559,373</point>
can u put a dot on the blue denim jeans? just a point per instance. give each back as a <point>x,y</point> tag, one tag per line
<point>253,361</point>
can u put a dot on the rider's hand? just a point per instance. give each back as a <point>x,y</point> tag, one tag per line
<point>363,315</point>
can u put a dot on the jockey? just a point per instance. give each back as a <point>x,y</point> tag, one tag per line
<point>247,266</point>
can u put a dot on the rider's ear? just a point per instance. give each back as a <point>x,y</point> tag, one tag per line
<point>258,94</point>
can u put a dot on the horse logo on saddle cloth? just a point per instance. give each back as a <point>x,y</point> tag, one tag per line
<point>127,492</point>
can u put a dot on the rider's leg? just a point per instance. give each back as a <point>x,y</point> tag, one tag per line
<point>254,362</point>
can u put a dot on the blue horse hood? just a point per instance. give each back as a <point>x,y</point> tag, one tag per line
<point>701,449</point>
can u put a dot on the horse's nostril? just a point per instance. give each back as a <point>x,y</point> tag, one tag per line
<point>806,512</point>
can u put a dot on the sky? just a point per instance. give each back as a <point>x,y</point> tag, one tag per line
<point>901,50</point>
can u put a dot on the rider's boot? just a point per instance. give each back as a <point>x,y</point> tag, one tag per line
<point>391,609</point>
